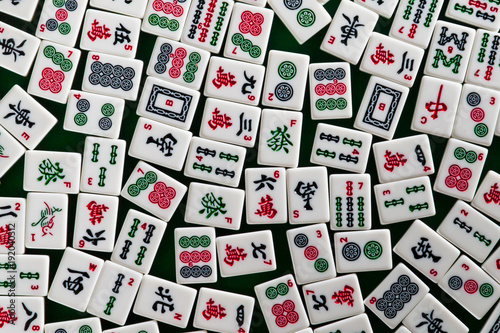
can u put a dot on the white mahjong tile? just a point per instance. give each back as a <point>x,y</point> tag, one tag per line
<point>475,13</point>
<point>487,196</point>
<point>358,323</point>
<point>484,64</point>
<point>167,18</point>
<point>10,151</point>
<point>131,8</point>
<point>12,225</point>
<point>18,47</point>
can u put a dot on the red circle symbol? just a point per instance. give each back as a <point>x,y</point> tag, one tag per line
<point>477,114</point>
<point>311,252</point>
<point>61,14</point>
<point>470,286</point>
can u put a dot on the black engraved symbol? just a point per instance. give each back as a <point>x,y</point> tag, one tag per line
<point>319,304</point>
<point>149,234</point>
<point>283,91</point>
<point>9,47</point>
<point>107,75</point>
<point>473,99</point>
<point>167,110</point>
<point>249,85</point>
<point>351,251</point>
<point>263,181</point>
<point>394,299</point>
<point>460,43</point>
<point>118,283</point>
<point>240,315</point>
<point>434,325</point>
<point>121,35</point>
<point>378,90</point>
<point>350,29</point>
<point>423,250</point>
<point>164,294</point>
<point>420,155</point>
<point>164,144</point>
<point>306,192</point>
<point>455,283</point>
<point>406,64</point>
<point>292,4</point>
<point>259,250</point>
<point>33,315</point>
<point>92,238</point>
<point>125,249</point>
<point>300,240</point>
<point>76,285</point>
<point>22,116</point>
<point>163,58</point>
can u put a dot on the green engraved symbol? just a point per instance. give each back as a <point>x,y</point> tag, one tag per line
<point>29,275</point>
<point>95,153</point>
<point>102,176</point>
<point>202,167</point>
<point>194,241</point>
<point>325,153</point>
<point>151,177</point>
<point>306,17</point>
<point>142,183</point>
<point>228,157</point>
<point>481,130</point>
<point>184,242</point>
<point>212,205</point>
<point>440,56</point>
<point>58,3</point>
<point>85,329</point>
<point>80,119</point>
<point>282,289</point>
<point>470,157</point>
<point>49,51</point>
<point>7,284</point>
<point>415,189</point>
<point>486,290</point>
<point>352,142</point>
<point>287,70</point>
<point>418,207</point>
<point>133,190</point>
<point>133,228</point>
<point>205,241</point>
<point>107,109</point>
<point>66,65</point>
<point>8,266</point>
<point>57,58</point>
<point>109,305</point>
<point>271,293</point>
<point>237,39</point>
<point>195,57</point>
<point>321,265</point>
<point>113,154</point>
<point>64,28</point>
<point>50,171</point>
<point>280,139</point>
<point>246,45</point>
<point>372,250</point>
<point>140,255</point>
<point>459,153</point>
<point>188,76</point>
<point>394,202</point>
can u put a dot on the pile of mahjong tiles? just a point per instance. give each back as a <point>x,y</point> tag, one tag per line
<point>172,188</point>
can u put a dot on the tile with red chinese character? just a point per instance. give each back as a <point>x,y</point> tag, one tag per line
<point>234,80</point>
<point>206,24</point>
<point>110,33</point>
<point>166,18</point>
<point>333,299</point>
<point>427,251</point>
<point>449,51</point>
<point>195,257</point>
<point>215,206</point>
<point>10,152</point>
<point>477,115</point>
<point>460,169</point>
<point>279,138</point>
<point>281,305</point>
<point>469,230</point>
<point>404,200</point>
<point>487,198</point>
<point>349,31</point>
<point>436,106</point>
<point>77,325</point>
<point>471,287</point>
<point>481,72</point>
<point>311,253</point>
<point>480,14</point>
<point>24,275</point>
<point>392,59</point>
<point>21,314</point>
<point>95,222</point>
<point>47,220</point>
<point>20,47</point>
<point>404,158</point>
<point>165,301</point>
<point>358,323</point>
<point>265,190</point>
<point>148,326</point>
<point>246,253</point>
<point>75,279</point>
<point>126,7</point>
<point>26,119</point>
<point>230,122</point>
<point>12,224</point>
<point>341,148</point>
<point>222,311</point>
<point>52,171</point>
<point>307,194</point>
<point>154,191</point>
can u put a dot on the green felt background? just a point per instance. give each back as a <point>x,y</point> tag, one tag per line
<point>59,140</point>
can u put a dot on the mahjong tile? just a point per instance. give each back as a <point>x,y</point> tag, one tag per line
<point>18,47</point>
<point>127,7</point>
<point>487,196</point>
<point>166,18</point>
<point>464,11</point>
<point>479,71</point>
<point>12,225</point>
<point>10,151</point>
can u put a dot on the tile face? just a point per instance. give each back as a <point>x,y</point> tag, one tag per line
<point>408,25</point>
<point>148,326</point>
<point>164,301</point>
<point>167,18</point>
<point>131,8</point>
<point>205,35</point>
<point>426,251</point>
<point>10,151</point>
<point>460,169</point>
<point>178,63</point>
<point>404,200</point>
<point>350,201</point>
<point>311,253</point>
<point>196,260</point>
<point>75,279</point>
<point>435,112</point>
<point>333,299</point>
<point>279,138</point>
<point>482,18</point>
<point>138,241</point>
<point>341,148</point>
<point>396,295</point>
<point>403,158</point>
<point>230,122</point>
<point>92,324</point>
<point>114,293</point>
<point>307,193</point>
<point>223,311</point>
<point>26,119</point>
<point>383,8</point>
<point>402,329</point>
<point>160,144</point>
<point>215,206</point>
<point>95,222</point>
<point>478,107</point>
<point>450,47</point>
<point>249,32</point>
<point>265,190</point>
<point>280,302</point>
<point>358,323</point>
<point>492,264</point>
<point>168,103</point>
<point>303,20</point>
<point>381,107</point>
<point>23,10</point>
<point>469,230</point>
<point>23,313</point>
<point>94,114</point>
<point>471,287</point>
<point>326,80</point>
<point>103,162</point>
<point>479,71</point>
<point>392,59</point>
<point>112,75</point>
<point>234,80</point>
<point>214,161</point>
<point>20,47</point>
<point>51,171</point>
<point>154,191</point>
<point>12,224</point>
<point>349,31</point>
<point>110,33</point>
<point>60,20</point>
<point>246,253</point>
<point>286,78</point>
<point>47,220</point>
<point>24,275</point>
<point>486,199</point>
<point>493,322</point>
<point>429,312</point>
<point>376,256</point>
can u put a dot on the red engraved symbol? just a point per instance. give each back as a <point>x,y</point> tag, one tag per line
<point>311,252</point>
<point>51,80</point>
<point>435,107</point>
<point>413,30</point>
<point>498,263</point>
<point>233,255</point>
<point>251,23</point>
<point>348,188</point>
<point>61,14</point>
<point>284,313</point>
<point>393,160</point>
<point>161,195</point>
<point>189,258</point>
<point>478,4</point>
<point>213,311</point>
<point>470,286</point>
<point>96,212</point>
<point>6,234</point>
<point>266,207</point>
<point>330,88</point>
<point>489,71</point>
<point>458,177</point>
<point>382,55</point>
<point>168,7</point>
<point>477,114</point>
<point>6,317</point>
<point>177,62</point>
<point>492,196</point>
<point>344,296</point>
